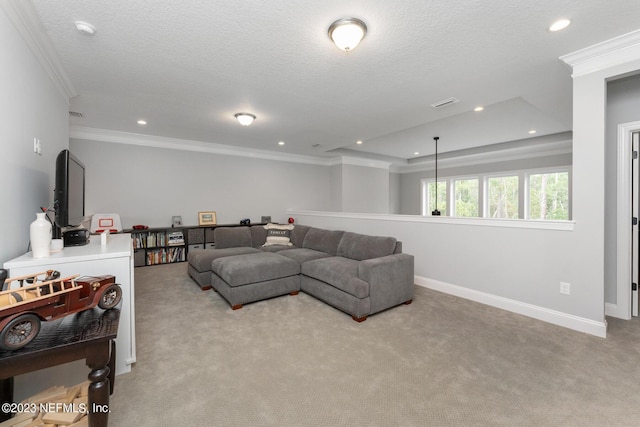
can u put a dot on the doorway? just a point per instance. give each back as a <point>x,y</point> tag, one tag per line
<point>627,259</point>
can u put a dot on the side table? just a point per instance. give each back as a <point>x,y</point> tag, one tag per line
<point>88,335</point>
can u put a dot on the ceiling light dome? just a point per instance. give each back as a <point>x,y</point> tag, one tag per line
<point>85,28</point>
<point>245,119</point>
<point>346,33</point>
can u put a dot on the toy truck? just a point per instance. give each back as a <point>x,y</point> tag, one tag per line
<point>28,300</point>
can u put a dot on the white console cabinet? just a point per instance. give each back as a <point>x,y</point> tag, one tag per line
<point>115,258</point>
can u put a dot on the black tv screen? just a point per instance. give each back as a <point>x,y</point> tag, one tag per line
<point>69,191</point>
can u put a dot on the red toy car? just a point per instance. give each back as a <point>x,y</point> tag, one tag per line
<point>44,297</point>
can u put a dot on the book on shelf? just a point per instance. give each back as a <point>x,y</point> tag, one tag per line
<point>175,238</point>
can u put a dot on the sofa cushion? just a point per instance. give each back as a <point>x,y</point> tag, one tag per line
<point>297,235</point>
<point>360,247</point>
<point>258,236</point>
<point>274,248</point>
<point>231,237</point>
<point>302,255</point>
<point>339,272</point>
<point>252,268</point>
<point>200,259</point>
<point>322,240</point>
<point>278,234</point>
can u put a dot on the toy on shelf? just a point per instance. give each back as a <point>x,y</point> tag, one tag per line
<point>27,300</point>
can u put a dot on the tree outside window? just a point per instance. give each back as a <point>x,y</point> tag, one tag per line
<point>549,196</point>
<point>466,197</point>
<point>503,197</point>
<point>442,197</point>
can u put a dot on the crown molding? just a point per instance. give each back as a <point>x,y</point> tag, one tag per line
<point>359,161</point>
<point>104,135</point>
<point>504,155</point>
<point>606,54</point>
<point>26,20</point>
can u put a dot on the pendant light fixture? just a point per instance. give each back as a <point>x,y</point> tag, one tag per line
<point>436,212</point>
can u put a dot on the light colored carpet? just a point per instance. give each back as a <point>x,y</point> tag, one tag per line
<point>295,361</point>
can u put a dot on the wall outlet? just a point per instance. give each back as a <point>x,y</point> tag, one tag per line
<point>565,288</point>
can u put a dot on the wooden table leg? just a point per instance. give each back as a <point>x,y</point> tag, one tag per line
<point>98,360</point>
<point>112,367</point>
<point>6,396</point>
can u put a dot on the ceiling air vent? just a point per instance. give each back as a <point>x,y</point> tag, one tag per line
<point>75,114</point>
<point>445,102</point>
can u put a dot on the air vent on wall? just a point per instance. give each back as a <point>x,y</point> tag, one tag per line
<point>445,102</point>
<point>75,114</point>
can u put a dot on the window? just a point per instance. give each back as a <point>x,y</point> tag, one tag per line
<point>429,196</point>
<point>466,197</point>
<point>503,197</point>
<point>549,196</point>
<point>537,194</point>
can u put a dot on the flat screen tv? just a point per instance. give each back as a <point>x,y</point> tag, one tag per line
<point>68,201</point>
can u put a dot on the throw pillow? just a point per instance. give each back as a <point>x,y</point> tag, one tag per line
<point>278,234</point>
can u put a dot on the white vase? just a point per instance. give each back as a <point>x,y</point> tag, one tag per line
<point>40,233</point>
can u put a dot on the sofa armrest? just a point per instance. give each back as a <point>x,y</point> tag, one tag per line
<point>390,280</point>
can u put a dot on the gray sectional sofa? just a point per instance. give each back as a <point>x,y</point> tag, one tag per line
<point>356,273</point>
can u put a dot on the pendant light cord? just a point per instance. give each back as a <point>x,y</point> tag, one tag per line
<point>436,212</point>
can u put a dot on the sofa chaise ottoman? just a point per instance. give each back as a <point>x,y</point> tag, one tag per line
<point>242,279</point>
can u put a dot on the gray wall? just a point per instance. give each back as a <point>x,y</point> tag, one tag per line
<point>365,189</point>
<point>31,106</point>
<point>146,185</point>
<point>623,106</point>
<point>394,193</point>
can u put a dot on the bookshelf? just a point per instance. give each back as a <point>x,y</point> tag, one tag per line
<point>155,246</point>
<point>158,246</point>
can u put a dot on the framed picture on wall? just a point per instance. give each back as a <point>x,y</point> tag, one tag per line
<point>207,218</point>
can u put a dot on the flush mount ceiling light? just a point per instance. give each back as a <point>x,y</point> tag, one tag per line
<point>85,28</point>
<point>346,33</point>
<point>245,119</point>
<point>560,24</point>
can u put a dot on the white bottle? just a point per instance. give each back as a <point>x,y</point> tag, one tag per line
<point>40,233</point>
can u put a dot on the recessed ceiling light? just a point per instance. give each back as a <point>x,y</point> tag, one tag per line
<point>142,122</point>
<point>416,153</point>
<point>478,108</point>
<point>281,143</point>
<point>532,131</point>
<point>85,28</point>
<point>560,24</point>
<point>359,142</point>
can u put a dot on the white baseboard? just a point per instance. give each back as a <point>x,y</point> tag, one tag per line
<point>570,321</point>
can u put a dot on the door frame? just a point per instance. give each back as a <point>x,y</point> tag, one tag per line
<point>622,308</point>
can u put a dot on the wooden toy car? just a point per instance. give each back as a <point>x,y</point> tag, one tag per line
<point>44,297</point>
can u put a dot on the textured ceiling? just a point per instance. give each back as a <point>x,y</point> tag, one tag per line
<point>187,67</point>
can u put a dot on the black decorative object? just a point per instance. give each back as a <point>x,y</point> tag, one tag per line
<point>436,212</point>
